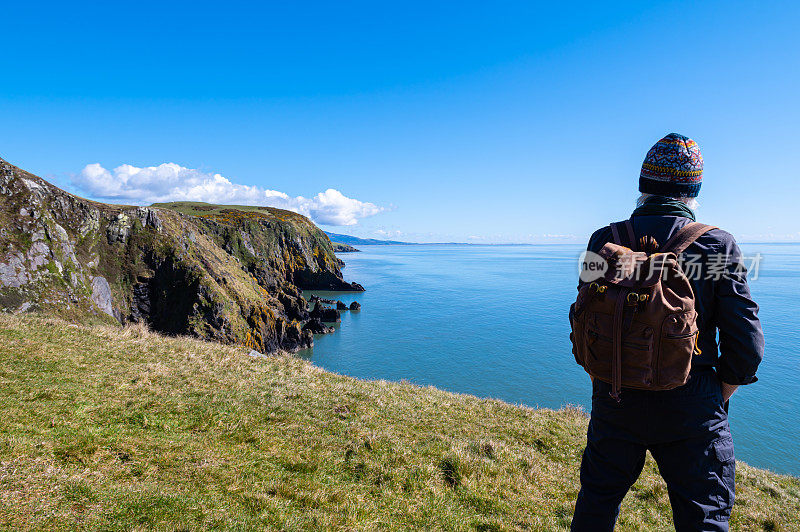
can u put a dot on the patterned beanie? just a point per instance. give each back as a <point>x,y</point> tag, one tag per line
<point>673,167</point>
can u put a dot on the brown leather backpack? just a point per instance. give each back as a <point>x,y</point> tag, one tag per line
<point>636,326</point>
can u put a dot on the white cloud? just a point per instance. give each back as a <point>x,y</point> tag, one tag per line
<point>172,182</point>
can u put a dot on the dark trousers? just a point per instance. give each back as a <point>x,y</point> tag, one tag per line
<point>685,429</point>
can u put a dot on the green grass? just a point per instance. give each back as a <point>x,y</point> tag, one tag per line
<point>105,428</point>
<point>198,208</point>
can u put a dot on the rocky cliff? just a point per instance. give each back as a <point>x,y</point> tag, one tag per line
<point>226,273</point>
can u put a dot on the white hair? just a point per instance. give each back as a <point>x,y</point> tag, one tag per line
<point>692,203</point>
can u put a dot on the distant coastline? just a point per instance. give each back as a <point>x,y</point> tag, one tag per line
<point>349,240</point>
<point>339,247</point>
<point>356,241</point>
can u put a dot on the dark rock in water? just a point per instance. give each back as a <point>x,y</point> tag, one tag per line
<point>316,299</point>
<point>316,326</point>
<point>338,247</point>
<point>330,315</point>
<point>340,306</point>
<point>324,280</point>
<point>355,305</point>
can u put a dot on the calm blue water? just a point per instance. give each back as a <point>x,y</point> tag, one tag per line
<point>492,321</point>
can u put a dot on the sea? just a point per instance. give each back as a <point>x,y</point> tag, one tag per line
<point>491,321</point>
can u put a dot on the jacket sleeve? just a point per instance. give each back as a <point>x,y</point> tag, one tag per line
<point>741,341</point>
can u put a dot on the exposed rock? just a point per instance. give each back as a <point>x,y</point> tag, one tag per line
<point>38,255</point>
<point>58,233</point>
<point>355,305</point>
<point>340,305</point>
<point>316,326</point>
<point>248,246</point>
<point>12,271</point>
<point>325,280</point>
<point>140,303</point>
<point>338,247</point>
<point>168,297</point>
<point>293,303</point>
<point>101,295</point>
<point>268,334</point>
<point>90,223</point>
<point>119,229</point>
<point>326,314</point>
<point>149,218</point>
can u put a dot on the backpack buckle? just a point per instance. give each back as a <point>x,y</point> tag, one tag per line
<point>597,288</point>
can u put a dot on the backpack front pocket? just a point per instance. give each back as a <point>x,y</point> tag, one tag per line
<point>637,351</point>
<point>676,349</point>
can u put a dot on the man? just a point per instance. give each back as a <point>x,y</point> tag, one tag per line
<point>685,429</point>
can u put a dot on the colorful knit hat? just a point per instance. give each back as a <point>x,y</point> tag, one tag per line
<point>673,167</point>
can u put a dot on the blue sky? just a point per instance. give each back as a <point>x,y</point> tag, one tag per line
<point>484,122</point>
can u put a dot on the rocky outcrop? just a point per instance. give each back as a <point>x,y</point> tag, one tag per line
<point>101,295</point>
<point>338,247</point>
<point>315,326</point>
<point>316,299</point>
<point>326,314</point>
<point>232,274</point>
<point>355,305</point>
<point>274,245</point>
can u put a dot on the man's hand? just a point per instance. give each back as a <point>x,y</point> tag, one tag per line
<point>727,390</point>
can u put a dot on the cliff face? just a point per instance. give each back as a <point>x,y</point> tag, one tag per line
<point>231,274</point>
<point>275,245</point>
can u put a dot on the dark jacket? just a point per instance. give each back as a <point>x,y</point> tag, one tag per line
<point>722,298</point>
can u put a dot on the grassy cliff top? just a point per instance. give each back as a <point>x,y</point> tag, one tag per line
<point>198,208</point>
<point>119,429</point>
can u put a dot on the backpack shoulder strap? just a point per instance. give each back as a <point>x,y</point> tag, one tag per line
<point>684,236</point>
<point>615,232</point>
<point>631,234</point>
